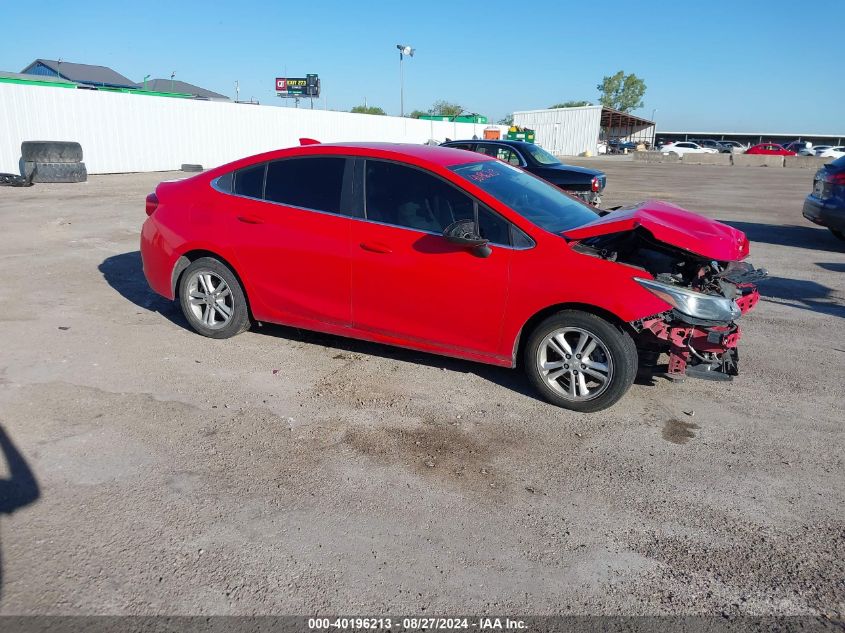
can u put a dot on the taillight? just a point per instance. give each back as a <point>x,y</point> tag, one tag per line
<point>152,203</point>
<point>836,179</point>
<point>595,184</point>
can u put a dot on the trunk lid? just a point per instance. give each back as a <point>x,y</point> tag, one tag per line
<point>672,225</point>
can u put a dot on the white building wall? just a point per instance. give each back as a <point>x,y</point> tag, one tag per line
<point>564,132</point>
<point>132,133</point>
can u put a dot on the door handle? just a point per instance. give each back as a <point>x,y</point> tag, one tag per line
<point>376,247</point>
<point>251,219</point>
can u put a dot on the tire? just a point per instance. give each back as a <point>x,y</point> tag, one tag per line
<point>51,152</point>
<point>231,314</point>
<point>55,172</point>
<point>838,234</point>
<point>614,349</point>
<point>14,180</point>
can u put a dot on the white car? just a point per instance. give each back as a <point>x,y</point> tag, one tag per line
<point>833,152</point>
<point>821,148</point>
<point>686,147</point>
<point>736,146</point>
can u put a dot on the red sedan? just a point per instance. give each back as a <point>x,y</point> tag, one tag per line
<point>454,253</point>
<point>773,149</point>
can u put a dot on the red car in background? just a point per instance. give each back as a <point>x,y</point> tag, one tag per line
<point>455,253</point>
<point>772,149</point>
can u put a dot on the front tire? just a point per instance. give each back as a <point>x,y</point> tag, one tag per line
<point>579,361</point>
<point>212,299</point>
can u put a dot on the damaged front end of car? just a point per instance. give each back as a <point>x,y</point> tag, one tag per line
<point>699,333</point>
<point>705,295</point>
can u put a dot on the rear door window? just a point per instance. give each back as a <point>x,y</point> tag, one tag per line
<point>310,183</point>
<point>249,181</point>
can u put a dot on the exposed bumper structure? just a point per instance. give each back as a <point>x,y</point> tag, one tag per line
<point>699,350</point>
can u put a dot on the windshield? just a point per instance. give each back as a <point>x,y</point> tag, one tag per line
<point>534,199</point>
<point>540,155</point>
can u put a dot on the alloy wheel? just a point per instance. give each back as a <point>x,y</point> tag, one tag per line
<point>210,299</point>
<point>575,363</point>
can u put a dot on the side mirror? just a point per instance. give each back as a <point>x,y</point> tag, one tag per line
<point>463,232</point>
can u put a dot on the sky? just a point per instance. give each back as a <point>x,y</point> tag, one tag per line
<point>757,66</point>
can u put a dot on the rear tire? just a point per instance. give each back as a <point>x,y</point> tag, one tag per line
<point>565,377</point>
<point>838,234</point>
<point>212,299</point>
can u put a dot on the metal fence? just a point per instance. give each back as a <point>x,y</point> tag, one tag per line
<point>133,133</point>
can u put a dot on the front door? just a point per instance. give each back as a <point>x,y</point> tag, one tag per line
<point>408,282</point>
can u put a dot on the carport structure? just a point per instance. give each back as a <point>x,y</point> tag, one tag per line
<point>574,131</point>
<point>624,126</point>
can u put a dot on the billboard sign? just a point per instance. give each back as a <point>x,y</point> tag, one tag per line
<point>308,86</point>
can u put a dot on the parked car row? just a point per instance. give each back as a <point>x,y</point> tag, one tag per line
<point>711,146</point>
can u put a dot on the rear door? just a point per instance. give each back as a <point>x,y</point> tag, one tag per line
<point>292,235</point>
<point>411,284</point>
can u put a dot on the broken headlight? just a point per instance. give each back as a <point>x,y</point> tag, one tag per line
<point>694,304</point>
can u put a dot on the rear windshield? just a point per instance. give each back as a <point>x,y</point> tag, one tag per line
<point>536,200</point>
<point>839,162</point>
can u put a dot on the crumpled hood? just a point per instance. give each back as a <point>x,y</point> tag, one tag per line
<point>673,225</point>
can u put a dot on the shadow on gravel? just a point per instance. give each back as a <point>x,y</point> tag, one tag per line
<point>512,379</point>
<point>802,294</point>
<point>812,237</point>
<point>834,267</point>
<point>20,488</point>
<point>125,273</point>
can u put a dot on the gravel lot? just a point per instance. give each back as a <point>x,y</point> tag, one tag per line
<point>290,472</point>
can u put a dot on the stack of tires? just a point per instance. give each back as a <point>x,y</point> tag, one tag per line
<point>53,161</point>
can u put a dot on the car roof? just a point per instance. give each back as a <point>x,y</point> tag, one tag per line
<point>443,156</point>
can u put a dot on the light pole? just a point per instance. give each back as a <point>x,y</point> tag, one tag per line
<point>145,81</point>
<point>404,50</point>
<point>172,75</point>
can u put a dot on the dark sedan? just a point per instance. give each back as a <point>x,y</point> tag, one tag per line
<point>826,204</point>
<point>580,181</point>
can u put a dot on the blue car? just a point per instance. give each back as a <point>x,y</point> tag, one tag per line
<point>826,205</point>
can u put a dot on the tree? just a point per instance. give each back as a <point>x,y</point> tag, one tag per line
<point>506,120</point>
<point>416,114</point>
<point>445,108</point>
<point>570,104</point>
<point>365,109</point>
<point>622,92</point>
